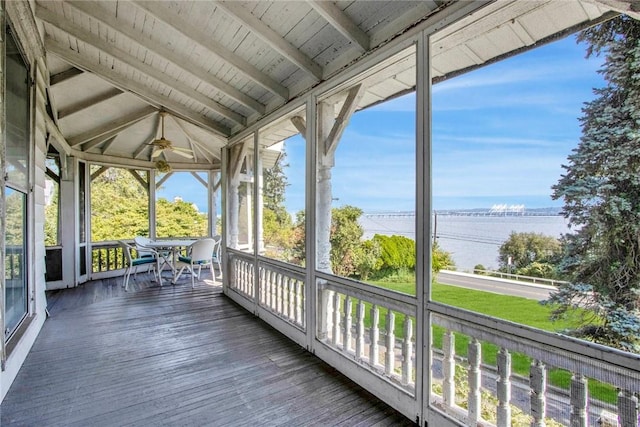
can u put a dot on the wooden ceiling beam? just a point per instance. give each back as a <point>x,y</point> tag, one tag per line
<point>140,66</point>
<point>158,100</point>
<point>148,140</point>
<point>341,22</point>
<point>64,76</point>
<point>301,125</point>
<point>348,108</point>
<point>88,103</point>
<point>179,60</point>
<point>188,30</point>
<point>107,144</point>
<point>273,39</point>
<point>202,146</point>
<point>112,128</point>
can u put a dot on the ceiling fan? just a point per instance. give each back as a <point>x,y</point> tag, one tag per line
<point>162,144</point>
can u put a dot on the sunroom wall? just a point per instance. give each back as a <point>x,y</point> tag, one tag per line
<point>27,35</point>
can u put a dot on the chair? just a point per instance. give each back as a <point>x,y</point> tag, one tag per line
<point>144,251</point>
<point>141,247</point>
<point>217,254</point>
<point>131,263</point>
<point>198,255</point>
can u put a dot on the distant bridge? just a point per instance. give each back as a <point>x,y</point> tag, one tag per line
<point>474,212</point>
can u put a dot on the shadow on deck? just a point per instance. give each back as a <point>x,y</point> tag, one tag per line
<point>175,356</point>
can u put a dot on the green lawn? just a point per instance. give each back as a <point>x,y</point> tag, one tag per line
<point>515,309</point>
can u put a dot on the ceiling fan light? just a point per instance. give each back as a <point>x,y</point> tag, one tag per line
<point>162,166</point>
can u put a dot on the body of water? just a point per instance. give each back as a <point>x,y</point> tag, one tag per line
<point>471,240</point>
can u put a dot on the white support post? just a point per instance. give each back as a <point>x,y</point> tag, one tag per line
<point>335,334</point>
<point>298,302</point>
<point>258,179</point>
<point>346,326</point>
<point>374,335</point>
<point>538,384</point>
<point>359,330</point>
<point>325,313</point>
<point>474,353</point>
<point>627,409</point>
<point>390,356</point>
<point>449,369</point>
<point>503,384</point>
<point>279,293</point>
<point>407,350</point>
<point>233,212</point>
<point>579,398</point>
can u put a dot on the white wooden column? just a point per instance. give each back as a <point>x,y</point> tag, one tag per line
<point>258,179</point>
<point>323,191</point>
<point>151,194</point>
<point>212,189</point>
<point>237,155</point>
<point>68,224</point>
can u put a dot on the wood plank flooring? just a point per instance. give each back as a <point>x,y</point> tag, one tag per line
<point>175,356</point>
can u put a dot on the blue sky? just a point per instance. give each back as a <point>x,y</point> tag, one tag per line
<point>500,135</point>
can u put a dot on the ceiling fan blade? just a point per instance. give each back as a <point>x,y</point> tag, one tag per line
<point>156,152</point>
<point>182,153</point>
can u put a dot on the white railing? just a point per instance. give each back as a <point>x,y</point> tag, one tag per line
<point>372,326</point>
<point>373,329</point>
<point>462,386</point>
<point>280,290</point>
<point>241,272</point>
<point>518,277</point>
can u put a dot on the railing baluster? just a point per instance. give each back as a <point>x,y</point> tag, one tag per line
<point>359,329</point>
<point>407,350</point>
<point>474,355</point>
<point>290,298</point>
<point>285,296</point>
<point>265,288</point>
<point>578,401</point>
<point>326,314</point>
<point>272,290</point>
<point>374,335</point>
<point>335,335</point>
<point>627,409</point>
<point>449,368</point>
<point>346,327</point>
<point>390,362</point>
<point>303,314</point>
<point>299,302</point>
<point>538,384</point>
<point>278,306</point>
<point>504,388</point>
<point>252,282</point>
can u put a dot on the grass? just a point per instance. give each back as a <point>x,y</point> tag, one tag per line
<point>515,309</point>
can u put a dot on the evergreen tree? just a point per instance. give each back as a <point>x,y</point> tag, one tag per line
<point>601,193</point>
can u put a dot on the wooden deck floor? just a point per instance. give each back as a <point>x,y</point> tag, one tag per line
<point>175,356</point>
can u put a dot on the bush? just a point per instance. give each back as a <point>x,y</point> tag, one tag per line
<point>479,269</point>
<point>396,252</point>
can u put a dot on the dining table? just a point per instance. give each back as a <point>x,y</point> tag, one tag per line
<point>169,250</point>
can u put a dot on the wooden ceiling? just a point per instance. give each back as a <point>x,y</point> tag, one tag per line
<point>217,67</point>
